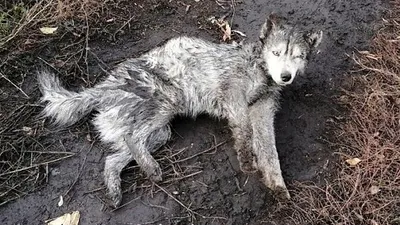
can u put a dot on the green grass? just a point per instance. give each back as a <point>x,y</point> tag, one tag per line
<point>10,17</point>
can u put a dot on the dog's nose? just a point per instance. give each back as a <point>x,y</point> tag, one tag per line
<point>286,77</point>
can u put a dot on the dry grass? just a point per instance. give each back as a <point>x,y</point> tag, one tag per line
<point>23,158</point>
<point>24,26</point>
<point>368,193</point>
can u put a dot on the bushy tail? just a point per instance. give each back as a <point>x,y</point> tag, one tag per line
<point>63,106</point>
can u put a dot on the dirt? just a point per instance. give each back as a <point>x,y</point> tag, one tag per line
<point>219,193</point>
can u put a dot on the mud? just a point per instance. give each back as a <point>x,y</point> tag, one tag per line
<point>219,193</point>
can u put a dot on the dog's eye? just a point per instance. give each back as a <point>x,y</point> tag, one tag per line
<point>302,56</point>
<point>276,53</point>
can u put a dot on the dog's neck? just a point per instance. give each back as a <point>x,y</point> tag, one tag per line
<point>268,87</point>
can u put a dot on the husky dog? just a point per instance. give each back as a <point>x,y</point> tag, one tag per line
<point>190,76</point>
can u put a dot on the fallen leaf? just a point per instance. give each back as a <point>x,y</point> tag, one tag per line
<point>373,222</point>
<point>353,161</point>
<point>239,32</point>
<point>61,202</point>
<point>89,137</point>
<point>374,189</point>
<point>227,32</point>
<point>48,30</point>
<point>28,130</point>
<point>187,8</point>
<point>66,219</point>
<point>360,217</point>
<point>380,156</point>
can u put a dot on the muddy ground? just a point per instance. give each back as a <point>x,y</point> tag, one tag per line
<point>214,189</point>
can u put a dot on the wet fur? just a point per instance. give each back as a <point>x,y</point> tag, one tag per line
<point>186,76</point>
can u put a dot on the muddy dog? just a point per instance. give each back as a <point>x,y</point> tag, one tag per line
<point>190,76</point>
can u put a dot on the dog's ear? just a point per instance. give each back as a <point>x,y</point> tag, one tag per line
<point>314,38</point>
<point>271,22</point>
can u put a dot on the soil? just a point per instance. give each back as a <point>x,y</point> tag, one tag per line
<point>218,193</point>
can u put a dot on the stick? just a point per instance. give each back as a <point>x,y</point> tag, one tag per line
<point>3,76</point>
<point>80,170</point>
<point>36,165</point>
<point>200,153</point>
<point>184,206</point>
<point>184,177</point>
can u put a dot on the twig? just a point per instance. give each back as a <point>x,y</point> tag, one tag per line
<point>50,152</point>
<point>234,11</point>
<point>179,152</point>
<point>179,202</point>
<point>200,153</point>
<point>47,63</point>
<point>9,200</point>
<point>188,209</point>
<point>3,76</point>
<point>181,178</point>
<point>126,204</point>
<point>36,165</point>
<point>80,170</point>
<point>94,190</point>
<point>154,206</point>
<point>19,28</point>
<point>87,48</point>
<point>122,27</point>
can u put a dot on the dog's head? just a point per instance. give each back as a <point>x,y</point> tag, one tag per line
<point>286,49</point>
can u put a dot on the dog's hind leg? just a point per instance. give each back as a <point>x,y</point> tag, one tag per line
<point>112,170</point>
<point>140,144</point>
<point>158,138</point>
<point>138,149</point>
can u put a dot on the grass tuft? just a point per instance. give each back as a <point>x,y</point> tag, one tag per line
<point>369,192</point>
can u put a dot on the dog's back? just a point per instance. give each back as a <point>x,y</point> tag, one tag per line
<point>192,74</point>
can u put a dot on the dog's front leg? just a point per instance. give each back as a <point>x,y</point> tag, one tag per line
<point>242,133</point>
<point>262,115</point>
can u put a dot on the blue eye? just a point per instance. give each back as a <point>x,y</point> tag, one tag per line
<point>301,56</point>
<point>276,53</point>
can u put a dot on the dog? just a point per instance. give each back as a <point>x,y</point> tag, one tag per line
<point>190,76</point>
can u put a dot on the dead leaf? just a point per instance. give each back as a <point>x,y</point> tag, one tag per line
<point>353,161</point>
<point>48,30</point>
<point>373,222</point>
<point>89,137</point>
<point>224,26</point>
<point>364,52</point>
<point>360,217</point>
<point>374,189</point>
<point>239,32</point>
<point>380,156</point>
<point>227,32</point>
<point>28,130</point>
<point>61,202</point>
<point>66,219</point>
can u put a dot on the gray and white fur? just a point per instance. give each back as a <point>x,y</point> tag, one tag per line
<point>190,76</point>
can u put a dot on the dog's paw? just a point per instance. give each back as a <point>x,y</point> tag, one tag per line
<point>154,173</point>
<point>281,193</point>
<point>115,197</point>
<point>248,166</point>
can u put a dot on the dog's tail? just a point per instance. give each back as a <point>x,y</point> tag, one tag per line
<point>63,106</point>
